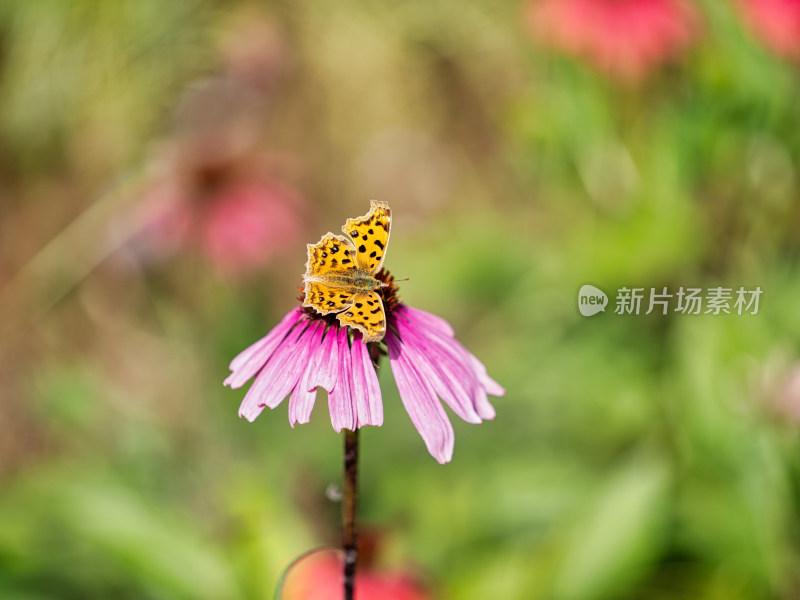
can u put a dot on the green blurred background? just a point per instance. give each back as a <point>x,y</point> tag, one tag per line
<point>632,457</point>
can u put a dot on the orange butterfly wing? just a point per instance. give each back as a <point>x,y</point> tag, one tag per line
<point>370,236</point>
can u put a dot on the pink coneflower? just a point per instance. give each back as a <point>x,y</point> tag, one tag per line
<point>349,317</point>
<point>777,24</point>
<point>306,351</point>
<point>626,38</point>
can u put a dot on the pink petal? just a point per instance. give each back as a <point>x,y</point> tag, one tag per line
<point>482,405</point>
<point>492,387</point>
<point>366,390</point>
<point>452,381</point>
<point>463,365</point>
<point>420,400</point>
<point>279,376</point>
<point>465,356</point>
<point>301,402</point>
<point>250,361</point>
<point>483,384</point>
<point>428,319</point>
<point>324,363</point>
<point>340,399</point>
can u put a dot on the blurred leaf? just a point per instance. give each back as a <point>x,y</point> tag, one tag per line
<point>620,535</point>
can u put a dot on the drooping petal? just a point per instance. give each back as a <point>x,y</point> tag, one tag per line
<point>482,405</point>
<point>485,409</point>
<point>421,403</point>
<point>438,363</point>
<point>428,319</point>
<point>301,402</point>
<point>279,376</point>
<point>340,399</point>
<point>366,390</point>
<point>324,364</point>
<point>466,368</point>
<point>250,361</point>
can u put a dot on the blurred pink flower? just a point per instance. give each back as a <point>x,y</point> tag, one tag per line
<point>627,39</point>
<point>776,23</point>
<point>240,226</point>
<point>319,577</point>
<point>306,351</point>
<point>214,191</point>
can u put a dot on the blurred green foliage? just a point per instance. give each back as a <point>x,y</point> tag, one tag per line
<point>633,456</point>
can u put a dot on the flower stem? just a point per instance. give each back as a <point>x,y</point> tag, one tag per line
<point>349,507</point>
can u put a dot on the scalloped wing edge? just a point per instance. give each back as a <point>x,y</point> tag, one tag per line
<point>374,206</point>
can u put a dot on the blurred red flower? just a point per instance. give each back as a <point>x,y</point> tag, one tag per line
<point>776,23</point>
<point>627,39</point>
<point>319,577</point>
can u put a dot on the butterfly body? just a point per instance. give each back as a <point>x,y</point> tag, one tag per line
<point>340,272</point>
<point>359,281</point>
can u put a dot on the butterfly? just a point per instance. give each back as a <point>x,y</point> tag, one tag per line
<point>340,272</point>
